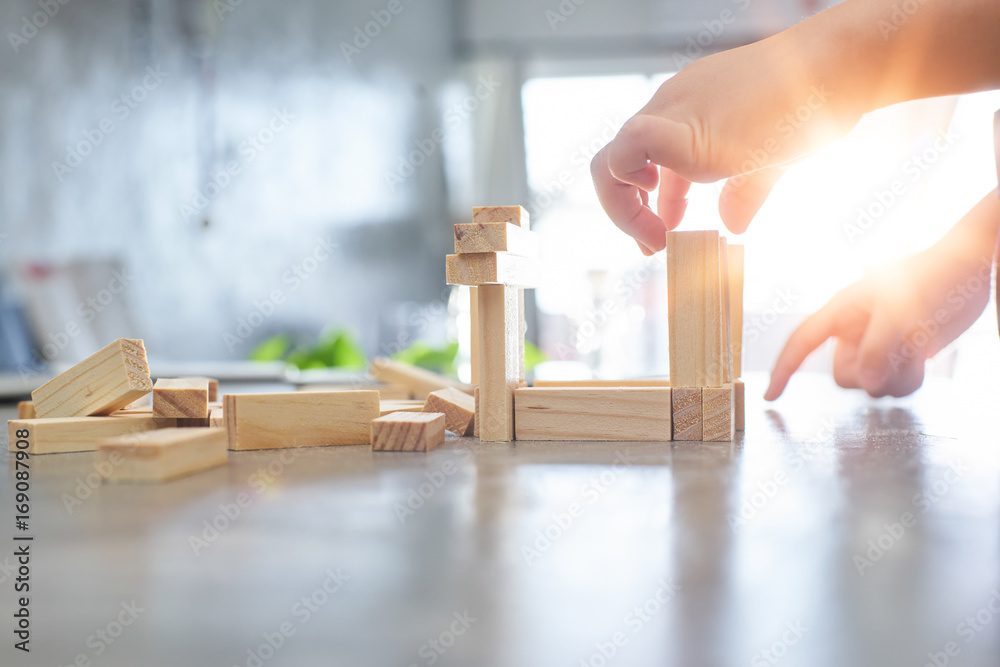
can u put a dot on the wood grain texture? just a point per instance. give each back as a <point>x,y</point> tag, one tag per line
<point>736,306</point>
<point>499,373</point>
<point>216,418</point>
<point>299,419</point>
<point>593,413</point>
<point>475,429</point>
<point>739,399</point>
<point>637,382</point>
<point>181,398</point>
<point>407,432</point>
<point>107,380</point>
<point>479,237</point>
<point>420,380</point>
<point>515,215</point>
<point>687,413</point>
<point>458,408</point>
<point>718,414</point>
<point>522,326</point>
<point>162,455</point>
<point>58,435</point>
<point>386,392</point>
<point>388,407</point>
<point>474,333</point>
<point>25,410</point>
<point>491,268</point>
<point>727,335</point>
<point>694,295</point>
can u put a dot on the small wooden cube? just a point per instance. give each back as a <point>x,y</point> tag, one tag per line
<point>515,215</point>
<point>687,413</point>
<point>458,407</point>
<point>408,432</point>
<point>181,398</point>
<point>25,410</point>
<point>718,414</point>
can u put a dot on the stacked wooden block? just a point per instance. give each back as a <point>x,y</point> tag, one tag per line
<point>705,304</point>
<point>497,256</point>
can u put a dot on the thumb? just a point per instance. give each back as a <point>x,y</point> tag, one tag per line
<point>743,196</point>
<point>878,352</point>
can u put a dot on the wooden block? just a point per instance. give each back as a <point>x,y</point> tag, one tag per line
<point>58,435</point>
<point>100,384</point>
<point>387,407</point>
<point>479,237</point>
<point>299,419</point>
<point>515,215</point>
<point>727,336</point>
<point>160,455</point>
<point>593,413</point>
<point>25,410</point>
<point>638,382</point>
<point>740,397</point>
<point>407,432</point>
<point>213,388</point>
<point>694,295</point>
<point>521,331</point>
<point>718,414</point>
<point>216,418</point>
<point>475,430</point>
<point>687,413</point>
<point>491,268</point>
<point>420,380</point>
<point>736,306</point>
<point>458,408</point>
<point>195,422</point>
<point>499,348</point>
<point>474,341</point>
<point>182,398</point>
<point>386,392</point>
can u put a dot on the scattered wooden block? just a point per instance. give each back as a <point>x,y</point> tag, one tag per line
<point>687,413</point>
<point>407,432</point>
<point>718,414</point>
<point>515,215</point>
<point>736,306</point>
<point>593,413</point>
<point>216,418</point>
<point>213,388</point>
<point>59,435</point>
<point>100,384</point>
<point>694,295</point>
<point>474,341</point>
<point>638,382</point>
<point>480,237</point>
<point>458,408</point>
<point>491,268</point>
<point>388,407</point>
<point>25,410</point>
<point>420,380</point>
<point>499,373</point>
<point>740,397</point>
<point>160,455</point>
<point>182,398</point>
<point>299,419</point>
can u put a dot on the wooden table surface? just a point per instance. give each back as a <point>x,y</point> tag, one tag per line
<point>838,531</point>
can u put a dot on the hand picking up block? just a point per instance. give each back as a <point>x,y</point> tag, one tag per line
<point>491,268</point>
<point>59,435</point>
<point>157,456</point>
<point>459,410</point>
<point>480,237</point>
<point>593,413</point>
<point>407,432</point>
<point>100,384</point>
<point>515,215</point>
<point>300,419</point>
<point>182,398</point>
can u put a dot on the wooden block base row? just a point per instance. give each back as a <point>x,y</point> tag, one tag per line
<point>708,414</point>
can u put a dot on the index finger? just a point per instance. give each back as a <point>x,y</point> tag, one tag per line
<point>812,333</point>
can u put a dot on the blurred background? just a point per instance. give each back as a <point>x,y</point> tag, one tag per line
<point>236,179</point>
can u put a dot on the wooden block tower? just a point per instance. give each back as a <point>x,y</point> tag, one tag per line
<point>496,255</point>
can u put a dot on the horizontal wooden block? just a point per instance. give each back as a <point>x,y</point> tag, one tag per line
<point>459,410</point>
<point>100,384</point>
<point>515,215</point>
<point>156,456</point>
<point>687,413</point>
<point>25,410</point>
<point>592,413</point>
<point>491,268</point>
<point>59,435</point>
<point>299,419</point>
<point>740,397</point>
<point>386,392</point>
<point>181,398</point>
<point>407,432</point>
<point>480,237</point>
<point>718,414</point>
<point>388,407</point>
<point>651,382</point>
<point>420,380</point>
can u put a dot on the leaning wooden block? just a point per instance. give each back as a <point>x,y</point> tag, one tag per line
<point>182,398</point>
<point>694,309</point>
<point>388,407</point>
<point>515,215</point>
<point>459,410</point>
<point>479,237</point>
<point>491,268</point>
<point>499,361</point>
<point>59,435</point>
<point>718,414</point>
<point>100,384</point>
<point>25,410</point>
<point>420,380</point>
<point>157,456</point>
<point>687,413</point>
<point>407,432</point>
<point>740,392</point>
<point>593,413</point>
<point>299,419</point>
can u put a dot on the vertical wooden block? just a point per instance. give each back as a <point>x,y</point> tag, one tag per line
<point>181,398</point>
<point>407,432</point>
<point>458,408</point>
<point>521,330</point>
<point>727,336</point>
<point>499,372</point>
<point>694,305</point>
<point>718,414</point>
<point>735,261</point>
<point>475,430</point>
<point>687,411</point>
<point>162,455</point>
<point>474,340</point>
<point>25,410</point>
<point>515,215</point>
<point>740,394</point>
